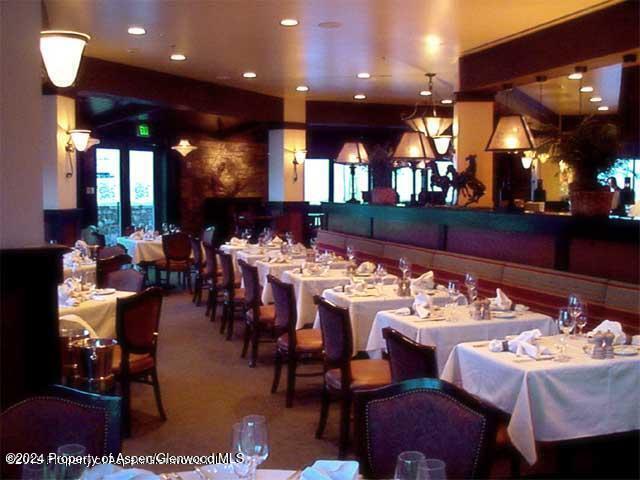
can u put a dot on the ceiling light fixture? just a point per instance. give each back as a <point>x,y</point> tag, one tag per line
<point>425,93</point>
<point>586,89</point>
<point>61,52</point>
<point>595,99</point>
<point>446,101</point>
<point>363,75</point>
<point>134,30</point>
<point>413,148</point>
<point>302,88</point>
<point>603,108</point>
<point>578,73</point>
<point>184,148</point>
<point>352,154</point>
<point>249,75</point>
<point>178,57</point>
<point>359,96</point>
<point>511,134</point>
<point>289,22</point>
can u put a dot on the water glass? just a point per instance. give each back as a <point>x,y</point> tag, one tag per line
<point>404,266</point>
<point>407,465</point>
<point>575,306</point>
<point>75,470</point>
<point>241,469</point>
<point>432,469</point>
<point>351,253</point>
<point>581,322</point>
<point>566,323</point>
<point>36,472</point>
<point>254,440</point>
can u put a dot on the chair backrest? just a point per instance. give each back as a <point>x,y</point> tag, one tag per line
<point>60,416</point>
<point>211,261</point>
<point>409,359</point>
<point>128,230</point>
<point>196,248</point>
<point>92,236</point>
<point>128,280</point>
<point>284,297</point>
<point>427,415</point>
<point>226,265</point>
<point>137,321</point>
<point>111,251</point>
<point>105,266</point>
<point>208,235</point>
<point>251,284</point>
<point>176,246</point>
<point>337,337</point>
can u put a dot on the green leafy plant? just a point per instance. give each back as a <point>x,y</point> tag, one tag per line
<point>590,149</point>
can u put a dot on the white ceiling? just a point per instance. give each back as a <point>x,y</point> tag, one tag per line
<point>397,41</point>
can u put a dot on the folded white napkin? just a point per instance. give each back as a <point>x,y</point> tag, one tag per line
<point>331,470</point>
<point>237,242</point>
<point>422,305</point>
<point>423,282</point>
<point>366,267</point>
<point>501,301</point>
<point>404,311</point>
<point>276,240</point>
<point>356,287</point>
<point>614,327</point>
<point>521,308</point>
<point>66,291</point>
<point>107,471</point>
<point>523,344</point>
<point>82,247</point>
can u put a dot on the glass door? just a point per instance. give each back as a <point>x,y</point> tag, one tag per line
<point>141,191</point>
<point>108,193</point>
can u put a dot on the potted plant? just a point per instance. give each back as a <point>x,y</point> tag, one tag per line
<point>589,150</point>
<point>381,174</point>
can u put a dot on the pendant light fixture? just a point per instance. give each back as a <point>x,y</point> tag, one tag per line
<point>61,52</point>
<point>353,154</point>
<point>511,134</point>
<point>413,148</point>
<point>530,155</point>
<point>184,148</point>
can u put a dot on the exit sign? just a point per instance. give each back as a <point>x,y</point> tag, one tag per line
<point>143,130</point>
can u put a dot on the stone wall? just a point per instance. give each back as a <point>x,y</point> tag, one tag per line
<point>236,167</point>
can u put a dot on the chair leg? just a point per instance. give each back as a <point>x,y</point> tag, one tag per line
<point>197,291</point>
<point>255,341</point>
<point>156,392</point>
<point>213,298</point>
<point>324,412</point>
<point>247,339</point>
<point>291,379</point>
<point>126,407</point>
<point>277,371</point>
<point>223,318</point>
<point>208,310</point>
<point>187,276</point>
<point>345,423</point>
<point>231,320</point>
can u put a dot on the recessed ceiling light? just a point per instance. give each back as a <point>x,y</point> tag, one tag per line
<point>302,88</point>
<point>178,57</point>
<point>359,96</point>
<point>133,30</point>
<point>249,75</point>
<point>289,22</point>
<point>575,76</point>
<point>603,108</point>
<point>586,89</point>
<point>330,25</point>
<point>425,93</point>
<point>595,99</point>
<point>363,75</point>
<point>446,101</point>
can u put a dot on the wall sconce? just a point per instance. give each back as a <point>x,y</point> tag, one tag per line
<point>184,148</point>
<point>61,52</point>
<point>79,141</point>
<point>299,157</point>
<point>527,159</point>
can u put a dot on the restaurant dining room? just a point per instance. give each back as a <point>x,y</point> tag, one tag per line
<point>319,239</point>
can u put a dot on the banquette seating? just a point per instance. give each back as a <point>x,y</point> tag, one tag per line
<point>542,289</point>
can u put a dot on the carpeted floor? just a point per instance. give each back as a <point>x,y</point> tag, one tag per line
<point>206,387</point>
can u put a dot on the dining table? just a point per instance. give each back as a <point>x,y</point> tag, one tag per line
<point>142,251</point>
<point>551,400</point>
<point>87,270</point>
<point>448,326</point>
<point>261,474</point>
<point>99,312</point>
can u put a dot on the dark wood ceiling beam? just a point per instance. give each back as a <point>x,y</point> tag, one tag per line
<point>516,101</point>
<point>103,77</point>
<point>608,31</point>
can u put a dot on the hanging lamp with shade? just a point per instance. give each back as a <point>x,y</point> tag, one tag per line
<point>184,147</point>
<point>61,53</point>
<point>353,154</point>
<point>414,149</point>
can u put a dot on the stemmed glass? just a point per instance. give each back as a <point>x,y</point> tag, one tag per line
<point>72,471</point>
<point>454,290</point>
<point>581,322</point>
<point>241,468</point>
<point>471,282</point>
<point>432,469</point>
<point>405,266</point>
<point>254,441</point>
<point>379,276</point>
<point>351,253</point>
<point>288,236</point>
<point>566,323</point>
<point>575,306</point>
<point>408,465</point>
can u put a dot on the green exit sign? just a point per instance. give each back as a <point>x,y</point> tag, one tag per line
<point>143,130</point>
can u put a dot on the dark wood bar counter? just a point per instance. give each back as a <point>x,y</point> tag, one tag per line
<point>600,247</point>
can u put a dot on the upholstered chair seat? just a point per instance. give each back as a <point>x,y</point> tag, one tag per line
<point>308,340</point>
<point>364,374</point>
<point>137,362</point>
<point>266,314</point>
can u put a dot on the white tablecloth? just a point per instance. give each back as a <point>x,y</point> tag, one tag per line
<point>457,328</point>
<point>275,269</point>
<point>265,474</point>
<point>142,250</point>
<point>88,270</point>
<point>363,308</point>
<point>548,400</point>
<point>99,314</point>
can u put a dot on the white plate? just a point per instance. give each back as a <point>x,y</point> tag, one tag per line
<point>625,350</point>
<point>104,291</point>
<point>499,314</point>
<point>220,471</point>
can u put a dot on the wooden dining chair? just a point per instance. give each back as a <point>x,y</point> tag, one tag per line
<point>177,253</point>
<point>408,359</point>
<point>232,296</point>
<point>293,346</point>
<point>111,251</point>
<point>197,266</point>
<point>106,266</point>
<point>426,415</point>
<point>342,374</point>
<point>260,319</point>
<point>211,278</point>
<point>129,280</point>
<point>208,236</point>
<point>135,360</point>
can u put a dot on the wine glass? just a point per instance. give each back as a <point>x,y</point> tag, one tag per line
<point>566,323</point>
<point>432,469</point>
<point>471,282</point>
<point>288,236</point>
<point>454,290</point>
<point>241,468</point>
<point>581,322</point>
<point>575,306</point>
<point>407,465</point>
<point>379,276</point>
<point>73,470</point>
<point>254,440</point>
<point>351,253</point>
<point>404,266</point>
